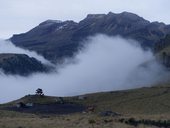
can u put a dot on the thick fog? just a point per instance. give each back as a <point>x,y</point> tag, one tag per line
<point>105,64</point>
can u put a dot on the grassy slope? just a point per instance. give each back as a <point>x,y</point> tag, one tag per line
<point>63,121</point>
<point>144,103</point>
<point>154,100</point>
<point>148,100</point>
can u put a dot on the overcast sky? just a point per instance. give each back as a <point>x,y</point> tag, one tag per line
<point>19,16</point>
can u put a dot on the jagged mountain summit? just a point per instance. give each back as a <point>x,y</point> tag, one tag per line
<point>56,40</point>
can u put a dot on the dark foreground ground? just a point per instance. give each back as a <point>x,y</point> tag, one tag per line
<point>53,108</point>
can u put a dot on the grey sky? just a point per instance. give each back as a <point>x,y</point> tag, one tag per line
<point>19,16</point>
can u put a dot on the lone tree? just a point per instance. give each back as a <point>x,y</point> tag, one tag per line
<point>39,92</point>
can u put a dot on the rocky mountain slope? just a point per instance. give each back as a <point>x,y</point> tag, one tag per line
<point>163,44</point>
<point>20,64</point>
<point>56,39</point>
<point>162,50</point>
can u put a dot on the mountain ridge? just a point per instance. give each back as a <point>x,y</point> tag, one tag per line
<point>56,40</point>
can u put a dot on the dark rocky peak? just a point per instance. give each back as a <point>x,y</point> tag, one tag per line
<point>116,18</point>
<point>153,28</point>
<point>68,23</point>
<point>48,27</point>
<point>159,25</point>
<point>56,22</point>
<point>123,15</point>
<point>111,24</point>
<point>111,14</point>
<point>90,18</point>
<point>55,25</point>
<point>156,23</point>
<point>130,16</point>
<point>50,22</point>
<point>127,17</point>
<point>95,16</point>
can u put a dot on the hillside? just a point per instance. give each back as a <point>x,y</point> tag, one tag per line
<point>147,101</point>
<point>58,39</point>
<point>147,107</point>
<point>20,64</point>
<point>142,101</point>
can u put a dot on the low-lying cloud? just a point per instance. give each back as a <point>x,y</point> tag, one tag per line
<point>105,64</point>
<point>8,47</point>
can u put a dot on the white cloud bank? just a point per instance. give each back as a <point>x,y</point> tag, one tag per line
<point>106,64</point>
